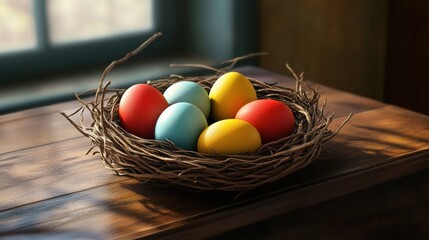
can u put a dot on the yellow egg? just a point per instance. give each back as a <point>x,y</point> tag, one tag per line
<point>229,136</point>
<point>228,94</point>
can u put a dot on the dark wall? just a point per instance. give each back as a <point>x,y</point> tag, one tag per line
<point>407,62</point>
<point>336,43</point>
<point>378,49</point>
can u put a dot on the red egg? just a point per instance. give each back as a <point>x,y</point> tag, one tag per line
<point>139,109</point>
<point>273,119</point>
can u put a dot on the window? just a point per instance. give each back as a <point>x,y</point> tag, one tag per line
<point>70,21</point>
<point>77,20</point>
<point>44,36</point>
<point>17,28</point>
<point>70,42</point>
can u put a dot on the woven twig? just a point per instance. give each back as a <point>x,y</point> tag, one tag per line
<point>148,159</point>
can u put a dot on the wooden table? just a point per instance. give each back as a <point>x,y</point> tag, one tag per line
<point>50,188</point>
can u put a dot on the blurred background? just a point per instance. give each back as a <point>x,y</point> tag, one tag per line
<point>52,48</point>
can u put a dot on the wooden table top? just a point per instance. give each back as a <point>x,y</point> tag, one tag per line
<point>51,188</point>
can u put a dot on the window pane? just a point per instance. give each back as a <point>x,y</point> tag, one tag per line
<point>74,20</point>
<point>17,29</point>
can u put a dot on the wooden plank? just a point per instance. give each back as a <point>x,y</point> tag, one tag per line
<point>128,210</point>
<point>38,111</point>
<point>38,126</point>
<point>49,171</point>
<point>112,211</point>
<point>35,130</point>
<point>79,194</point>
<point>397,209</point>
<point>388,131</point>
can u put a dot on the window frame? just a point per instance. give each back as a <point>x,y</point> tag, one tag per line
<point>46,58</point>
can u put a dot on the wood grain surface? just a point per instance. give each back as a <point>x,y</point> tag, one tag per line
<point>51,188</point>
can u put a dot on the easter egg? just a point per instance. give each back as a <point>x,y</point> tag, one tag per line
<point>228,94</point>
<point>190,92</point>
<point>273,119</point>
<point>181,123</point>
<point>229,136</point>
<point>139,109</point>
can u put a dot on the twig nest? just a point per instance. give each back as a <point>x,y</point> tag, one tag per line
<point>164,162</point>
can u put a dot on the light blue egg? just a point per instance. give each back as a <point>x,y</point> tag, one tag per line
<point>190,92</point>
<point>181,123</point>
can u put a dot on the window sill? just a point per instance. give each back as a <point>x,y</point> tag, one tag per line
<point>61,88</point>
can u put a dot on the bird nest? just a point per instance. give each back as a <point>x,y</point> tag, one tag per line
<point>164,162</point>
